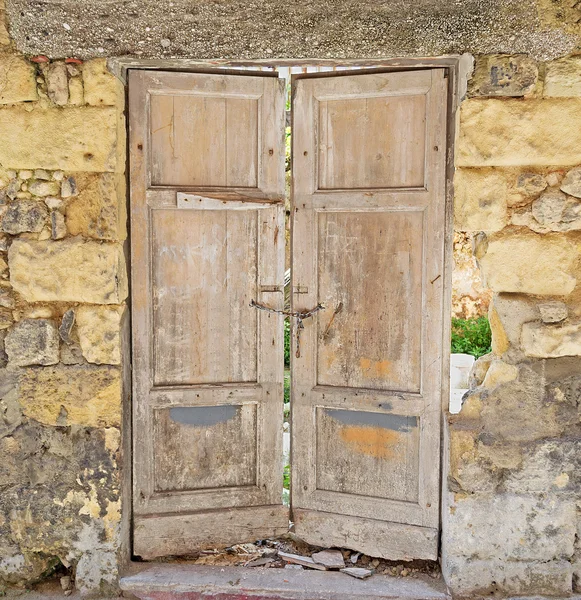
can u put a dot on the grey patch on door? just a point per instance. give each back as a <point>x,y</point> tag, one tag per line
<point>203,416</point>
<point>373,419</point>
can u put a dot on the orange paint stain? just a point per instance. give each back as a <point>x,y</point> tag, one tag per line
<point>376,369</point>
<point>373,441</point>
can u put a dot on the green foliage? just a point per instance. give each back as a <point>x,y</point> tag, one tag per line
<point>286,477</point>
<point>287,344</point>
<point>286,387</point>
<point>471,336</point>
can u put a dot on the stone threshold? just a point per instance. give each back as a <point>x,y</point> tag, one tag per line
<point>197,582</point>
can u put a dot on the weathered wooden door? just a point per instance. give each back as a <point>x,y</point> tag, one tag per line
<point>207,237</point>
<point>368,228</point>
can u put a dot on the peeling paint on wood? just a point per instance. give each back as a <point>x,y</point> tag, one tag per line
<point>203,416</point>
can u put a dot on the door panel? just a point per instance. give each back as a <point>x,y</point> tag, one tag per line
<point>202,286</point>
<point>368,243</point>
<point>368,289</point>
<point>222,129</point>
<point>207,217</point>
<point>352,155</point>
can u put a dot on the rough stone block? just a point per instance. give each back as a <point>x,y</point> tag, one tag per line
<point>66,501</point>
<point>548,466</point>
<point>562,381</point>
<point>480,200</point>
<point>479,370</point>
<point>528,187</point>
<point>99,210</point>
<point>553,312</point>
<point>500,342</point>
<point>498,373</point>
<point>517,411</point>
<point>511,527</point>
<point>529,263</point>
<point>72,139</point>
<point>44,188</point>
<point>101,87</point>
<point>462,448</point>
<point>6,318</point>
<point>17,80</point>
<point>24,215</point>
<point>540,340</point>
<point>571,183</point>
<point>502,456</point>
<point>9,405</point>
<point>69,187</point>
<point>99,330</point>
<point>57,83</point>
<point>563,77</point>
<point>32,342</point>
<point>70,270</point>
<point>4,36</point>
<point>76,93</point>
<point>468,577</point>
<point>503,75</point>
<point>72,395</point>
<point>556,211</point>
<point>58,226</point>
<point>495,132</point>
<point>467,473</point>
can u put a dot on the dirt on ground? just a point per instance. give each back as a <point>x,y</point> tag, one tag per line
<point>264,553</point>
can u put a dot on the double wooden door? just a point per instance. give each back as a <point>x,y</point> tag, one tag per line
<point>208,240</point>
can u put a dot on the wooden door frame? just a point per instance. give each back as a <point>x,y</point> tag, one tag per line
<point>458,69</point>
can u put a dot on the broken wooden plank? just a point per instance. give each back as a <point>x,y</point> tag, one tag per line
<point>332,559</point>
<point>305,561</point>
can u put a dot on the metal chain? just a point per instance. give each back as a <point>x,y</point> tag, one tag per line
<point>299,315</point>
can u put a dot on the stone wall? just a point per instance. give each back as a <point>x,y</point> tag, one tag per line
<point>63,288</point>
<point>510,513</point>
<point>511,520</point>
<point>470,298</point>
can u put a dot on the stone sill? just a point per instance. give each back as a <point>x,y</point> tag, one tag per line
<point>193,582</point>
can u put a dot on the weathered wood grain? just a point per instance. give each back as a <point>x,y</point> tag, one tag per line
<point>204,275</point>
<point>368,224</point>
<point>207,383</point>
<point>393,541</point>
<point>369,273</point>
<point>202,140</point>
<point>163,535</point>
<point>373,142</point>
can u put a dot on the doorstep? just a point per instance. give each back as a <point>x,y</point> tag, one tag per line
<point>198,582</point>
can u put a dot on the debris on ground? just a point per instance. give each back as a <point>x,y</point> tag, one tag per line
<point>290,552</point>
<point>357,572</point>
<point>332,559</point>
<point>260,562</point>
<point>66,583</point>
<point>305,561</point>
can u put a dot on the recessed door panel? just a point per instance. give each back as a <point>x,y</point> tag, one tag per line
<point>204,275</point>
<point>370,282</point>
<point>372,142</point>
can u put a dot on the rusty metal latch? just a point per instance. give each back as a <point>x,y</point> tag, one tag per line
<point>299,315</point>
